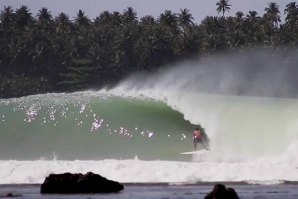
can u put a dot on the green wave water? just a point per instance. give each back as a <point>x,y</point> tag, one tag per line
<point>87,126</point>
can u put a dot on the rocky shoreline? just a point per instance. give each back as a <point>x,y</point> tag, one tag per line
<point>68,183</point>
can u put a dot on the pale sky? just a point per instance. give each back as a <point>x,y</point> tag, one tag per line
<point>198,8</point>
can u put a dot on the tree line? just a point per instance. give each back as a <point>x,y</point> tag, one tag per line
<point>43,53</point>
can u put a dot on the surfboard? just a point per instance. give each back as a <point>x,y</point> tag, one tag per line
<point>195,152</point>
<point>189,153</point>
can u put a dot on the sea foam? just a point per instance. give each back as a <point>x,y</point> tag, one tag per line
<point>266,170</point>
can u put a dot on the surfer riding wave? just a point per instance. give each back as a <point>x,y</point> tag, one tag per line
<point>197,137</point>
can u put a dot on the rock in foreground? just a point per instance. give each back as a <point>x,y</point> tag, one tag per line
<point>221,192</point>
<point>79,183</point>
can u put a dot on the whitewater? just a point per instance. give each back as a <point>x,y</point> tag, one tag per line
<point>136,131</point>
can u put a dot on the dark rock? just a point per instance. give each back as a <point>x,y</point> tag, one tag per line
<point>221,192</point>
<point>79,183</point>
<point>232,193</point>
<point>9,195</point>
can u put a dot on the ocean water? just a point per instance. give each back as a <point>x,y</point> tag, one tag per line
<point>139,139</point>
<point>161,191</point>
<point>136,132</point>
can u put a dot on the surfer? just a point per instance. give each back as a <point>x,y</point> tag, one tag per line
<point>197,137</point>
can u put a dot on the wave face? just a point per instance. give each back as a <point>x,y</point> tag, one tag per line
<point>252,137</point>
<point>90,126</point>
<point>100,125</point>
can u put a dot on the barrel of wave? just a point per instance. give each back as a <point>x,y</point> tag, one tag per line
<point>240,127</point>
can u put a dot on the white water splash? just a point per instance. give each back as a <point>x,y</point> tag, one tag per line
<point>258,171</point>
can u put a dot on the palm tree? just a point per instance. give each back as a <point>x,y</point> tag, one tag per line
<point>185,18</point>
<point>62,40</point>
<point>272,13</point>
<point>7,17</point>
<point>7,32</point>
<point>44,14</point>
<point>292,12</point>
<point>168,19</point>
<point>239,15</point>
<point>252,15</point>
<point>291,7</point>
<point>223,6</point>
<point>23,17</point>
<point>82,20</point>
<point>125,41</point>
<point>129,15</point>
<point>291,24</point>
<point>169,35</point>
<point>145,45</point>
<point>62,23</point>
<point>45,21</point>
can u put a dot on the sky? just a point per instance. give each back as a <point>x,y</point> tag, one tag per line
<point>199,8</point>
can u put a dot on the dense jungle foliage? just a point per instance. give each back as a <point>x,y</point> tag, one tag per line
<point>46,53</point>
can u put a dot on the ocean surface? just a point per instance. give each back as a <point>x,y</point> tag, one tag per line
<point>136,132</point>
<point>160,191</point>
